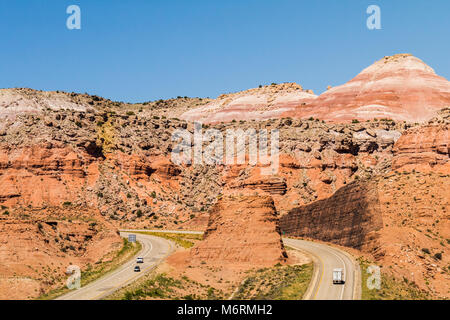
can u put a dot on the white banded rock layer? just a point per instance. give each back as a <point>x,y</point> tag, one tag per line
<point>400,87</point>
<point>258,104</point>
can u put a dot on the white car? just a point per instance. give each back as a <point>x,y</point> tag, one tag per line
<point>140,260</point>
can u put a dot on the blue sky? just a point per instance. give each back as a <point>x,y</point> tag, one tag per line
<point>140,50</point>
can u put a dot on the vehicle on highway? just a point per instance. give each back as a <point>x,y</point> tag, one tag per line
<point>338,276</point>
<point>140,260</point>
<point>137,269</point>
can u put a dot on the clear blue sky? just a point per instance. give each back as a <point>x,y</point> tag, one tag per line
<point>140,50</point>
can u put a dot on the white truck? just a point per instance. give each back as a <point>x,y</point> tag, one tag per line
<point>338,276</point>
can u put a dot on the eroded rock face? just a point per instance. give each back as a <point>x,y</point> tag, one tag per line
<point>48,174</point>
<point>258,104</point>
<point>36,247</point>
<point>400,87</point>
<point>242,231</point>
<point>348,218</point>
<point>21,101</point>
<point>392,218</point>
<point>425,148</point>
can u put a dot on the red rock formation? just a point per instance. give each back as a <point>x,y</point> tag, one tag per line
<point>42,174</point>
<point>349,217</point>
<point>39,245</point>
<point>392,218</point>
<point>425,148</point>
<point>269,184</point>
<point>242,231</point>
<point>400,87</point>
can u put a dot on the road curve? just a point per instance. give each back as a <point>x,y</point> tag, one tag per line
<point>154,250</point>
<point>326,258</point>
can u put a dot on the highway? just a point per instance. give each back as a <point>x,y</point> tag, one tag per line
<point>154,251</point>
<point>326,258</point>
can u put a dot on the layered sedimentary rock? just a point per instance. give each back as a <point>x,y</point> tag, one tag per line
<point>37,246</point>
<point>242,231</point>
<point>425,148</point>
<point>49,173</point>
<point>271,184</point>
<point>399,87</point>
<point>400,219</point>
<point>20,101</point>
<point>258,104</point>
<point>350,217</point>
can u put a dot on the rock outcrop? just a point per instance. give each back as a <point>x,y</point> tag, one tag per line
<point>39,245</point>
<point>258,104</point>
<point>350,217</point>
<point>21,101</point>
<point>400,87</point>
<point>425,148</point>
<point>242,231</point>
<point>400,219</point>
<point>272,185</point>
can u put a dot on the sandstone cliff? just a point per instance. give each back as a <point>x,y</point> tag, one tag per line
<point>242,232</point>
<point>425,148</point>
<point>350,217</point>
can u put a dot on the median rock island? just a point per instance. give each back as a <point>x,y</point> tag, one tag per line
<point>242,231</point>
<point>242,235</point>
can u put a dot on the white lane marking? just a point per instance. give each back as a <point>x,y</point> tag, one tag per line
<point>316,282</point>
<point>100,282</point>
<point>328,249</point>
<point>345,273</point>
<point>130,263</point>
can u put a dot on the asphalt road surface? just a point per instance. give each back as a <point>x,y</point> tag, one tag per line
<point>154,250</point>
<point>326,259</point>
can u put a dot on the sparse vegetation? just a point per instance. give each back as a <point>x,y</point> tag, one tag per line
<point>181,239</point>
<point>391,288</point>
<point>162,286</point>
<point>91,273</point>
<point>277,283</point>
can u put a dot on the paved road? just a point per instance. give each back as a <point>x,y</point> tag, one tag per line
<point>164,231</point>
<point>154,250</point>
<point>327,258</point>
